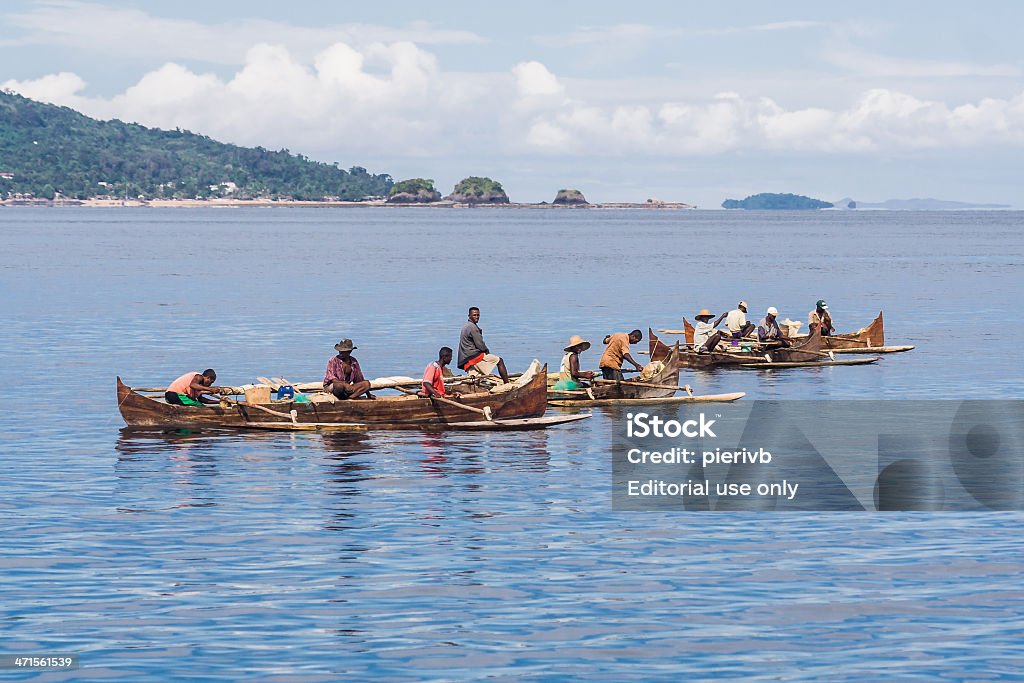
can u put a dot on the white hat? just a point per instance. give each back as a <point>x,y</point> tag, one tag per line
<point>772,310</point>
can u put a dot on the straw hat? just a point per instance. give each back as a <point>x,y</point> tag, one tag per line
<point>345,345</point>
<point>704,313</point>
<point>576,340</point>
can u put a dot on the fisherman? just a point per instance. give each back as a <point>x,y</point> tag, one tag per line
<point>344,378</point>
<point>616,352</point>
<point>736,322</point>
<point>433,375</point>
<point>474,356</point>
<point>820,316</point>
<point>570,376</point>
<point>768,331</point>
<point>705,338</point>
<point>188,389</point>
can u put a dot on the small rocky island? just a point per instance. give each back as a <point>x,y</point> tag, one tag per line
<point>413,191</point>
<point>570,198</point>
<point>776,202</point>
<point>477,190</point>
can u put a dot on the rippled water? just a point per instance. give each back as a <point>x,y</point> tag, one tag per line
<point>403,556</point>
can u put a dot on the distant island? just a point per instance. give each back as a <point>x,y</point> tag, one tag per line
<point>927,204</point>
<point>776,202</point>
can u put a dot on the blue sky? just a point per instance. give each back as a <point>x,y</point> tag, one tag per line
<point>690,102</point>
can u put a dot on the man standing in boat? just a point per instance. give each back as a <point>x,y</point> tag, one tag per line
<point>188,389</point>
<point>820,317</point>
<point>736,322</point>
<point>433,375</point>
<point>344,378</point>
<point>769,333</point>
<point>617,351</point>
<point>474,356</point>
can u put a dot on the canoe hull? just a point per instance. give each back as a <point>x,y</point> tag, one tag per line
<point>402,412</point>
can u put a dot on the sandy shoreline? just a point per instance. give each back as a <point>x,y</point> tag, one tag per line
<point>269,203</point>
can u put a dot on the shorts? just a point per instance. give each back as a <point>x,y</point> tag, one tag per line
<point>339,390</point>
<point>485,365</point>
<point>176,399</point>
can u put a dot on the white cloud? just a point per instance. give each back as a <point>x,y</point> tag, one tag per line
<point>394,100</point>
<point>534,80</point>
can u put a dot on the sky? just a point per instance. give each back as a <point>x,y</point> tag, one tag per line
<point>680,101</point>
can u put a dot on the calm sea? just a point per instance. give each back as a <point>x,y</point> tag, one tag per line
<point>407,556</point>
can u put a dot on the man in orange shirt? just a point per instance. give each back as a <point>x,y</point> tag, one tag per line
<point>188,389</point>
<point>433,375</point>
<point>616,352</point>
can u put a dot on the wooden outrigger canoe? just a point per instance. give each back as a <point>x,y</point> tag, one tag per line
<point>870,339</point>
<point>808,351</point>
<point>519,407</point>
<point>660,386</point>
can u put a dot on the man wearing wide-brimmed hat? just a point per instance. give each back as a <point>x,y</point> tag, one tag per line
<point>820,316</point>
<point>569,374</point>
<point>704,336</point>
<point>344,378</point>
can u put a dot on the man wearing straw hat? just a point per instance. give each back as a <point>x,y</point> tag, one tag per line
<point>570,376</point>
<point>705,339</point>
<point>344,378</point>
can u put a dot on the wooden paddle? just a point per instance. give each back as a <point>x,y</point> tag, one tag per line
<point>485,411</point>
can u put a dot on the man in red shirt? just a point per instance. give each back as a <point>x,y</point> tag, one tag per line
<point>344,378</point>
<point>433,375</point>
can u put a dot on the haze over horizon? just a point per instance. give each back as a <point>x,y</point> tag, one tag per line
<point>681,103</point>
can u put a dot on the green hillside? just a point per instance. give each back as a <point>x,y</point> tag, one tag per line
<point>56,149</point>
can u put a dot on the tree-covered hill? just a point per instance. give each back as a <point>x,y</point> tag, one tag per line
<point>51,149</point>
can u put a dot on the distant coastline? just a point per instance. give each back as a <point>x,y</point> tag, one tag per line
<point>293,203</point>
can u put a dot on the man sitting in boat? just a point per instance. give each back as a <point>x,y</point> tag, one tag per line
<point>188,389</point>
<point>617,351</point>
<point>769,333</point>
<point>736,322</point>
<point>570,376</point>
<point>433,375</point>
<point>474,356</point>
<point>344,378</point>
<point>705,338</point>
<point>820,317</point>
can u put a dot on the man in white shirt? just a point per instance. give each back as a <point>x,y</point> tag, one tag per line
<point>736,322</point>
<point>705,339</point>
